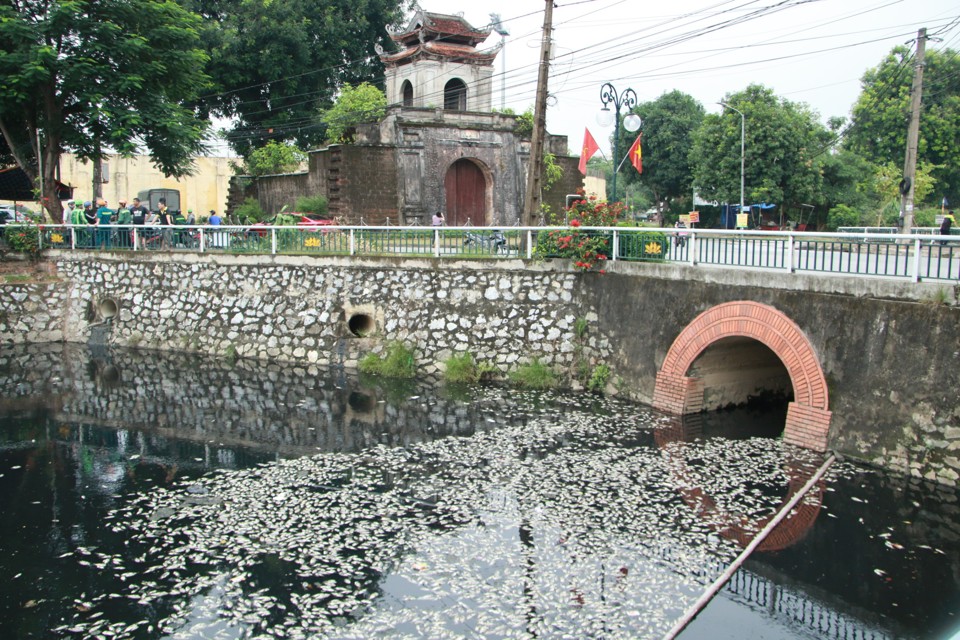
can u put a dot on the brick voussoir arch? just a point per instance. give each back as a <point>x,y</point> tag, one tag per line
<point>808,417</point>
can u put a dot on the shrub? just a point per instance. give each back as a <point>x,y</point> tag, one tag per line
<point>586,248</point>
<point>249,212</point>
<point>317,205</point>
<point>24,238</point>
<point>397,362</point>
<point>598,378</point>
<point>842,216</point>
<point>534,375</point>
<point>464,368</point>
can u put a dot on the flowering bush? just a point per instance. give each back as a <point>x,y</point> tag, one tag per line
<point>24,238</point>
<point>586,248</point>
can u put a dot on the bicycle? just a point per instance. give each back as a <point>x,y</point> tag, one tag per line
<point>494,242</point>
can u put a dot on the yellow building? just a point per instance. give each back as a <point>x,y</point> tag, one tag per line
<point>206,189</point>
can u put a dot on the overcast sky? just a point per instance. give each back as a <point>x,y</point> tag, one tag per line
<point>812,51</point>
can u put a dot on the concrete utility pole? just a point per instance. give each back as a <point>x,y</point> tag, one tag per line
<point>913,135</point>
<point>531,204</point>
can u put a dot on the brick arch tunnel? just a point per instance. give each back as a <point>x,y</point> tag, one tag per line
<point>808,415</point>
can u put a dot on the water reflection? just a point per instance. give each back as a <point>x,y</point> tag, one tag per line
<point>148,494</point>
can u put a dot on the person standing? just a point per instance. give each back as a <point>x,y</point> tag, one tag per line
<point>89,219</point>
<point>139,212</point>
<point>124,234</point>
<point>948,222</point>
<point>104,219</point>
<point>166,220</point>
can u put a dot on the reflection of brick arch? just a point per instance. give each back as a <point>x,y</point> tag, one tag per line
<point>808,418</point>
<point>739,529</point>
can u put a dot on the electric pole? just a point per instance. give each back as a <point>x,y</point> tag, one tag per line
<point>913,135</point>
<point>531,204</point>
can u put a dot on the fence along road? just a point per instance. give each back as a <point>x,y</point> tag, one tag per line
<point>913,258</point>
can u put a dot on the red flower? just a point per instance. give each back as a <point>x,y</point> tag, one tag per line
<point>574,223</point>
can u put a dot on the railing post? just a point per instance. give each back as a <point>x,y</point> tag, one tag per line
<point>693,248</point>
<point>915,276</point>
<point>616,245</point>
<point>529,244</point>
<point>436,243</point>
<point>203,240</point>
<point>273,240</point>
<point>352,243</point>
<point>40,238</point>
<point>73,238</point>
<point>136,237</point>
<point>789,256</point>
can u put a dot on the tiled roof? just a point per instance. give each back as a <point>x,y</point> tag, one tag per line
<point>443,49</point>
<point>442,25</point>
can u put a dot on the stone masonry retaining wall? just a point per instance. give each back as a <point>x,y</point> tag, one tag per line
<point>892,364</point>
<point>286,308</point>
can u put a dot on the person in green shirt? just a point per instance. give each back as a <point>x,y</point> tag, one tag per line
<point>124,216</point>
<point>104,219</point>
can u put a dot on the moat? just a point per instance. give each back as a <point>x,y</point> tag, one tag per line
<point>151,494</point>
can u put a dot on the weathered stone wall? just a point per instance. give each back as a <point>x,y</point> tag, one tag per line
<point>297,308</point>
<point>891,361</point>
<point>274,407</point>
<point>363,184</point>
<point>33,312</point>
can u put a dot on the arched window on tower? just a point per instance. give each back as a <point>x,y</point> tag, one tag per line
<point>407,91</point>
<point>455,95</point>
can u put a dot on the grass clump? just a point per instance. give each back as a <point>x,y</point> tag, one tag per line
<point>465,369</point>
<point>534,375</point>
<point>597,382</point>
<point>396,362</point>
<point>939,298</point>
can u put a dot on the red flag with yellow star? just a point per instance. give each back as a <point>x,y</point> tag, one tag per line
<point>589,148</point>
<point>636,155</point>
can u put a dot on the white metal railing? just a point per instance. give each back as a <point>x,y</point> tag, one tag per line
<point>887,255</point>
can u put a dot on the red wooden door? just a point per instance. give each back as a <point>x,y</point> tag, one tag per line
<point>465,187</point>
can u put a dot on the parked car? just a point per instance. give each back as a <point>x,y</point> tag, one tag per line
<point>19,214</point>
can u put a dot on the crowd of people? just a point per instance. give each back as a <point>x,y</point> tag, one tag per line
<point>98,214</point>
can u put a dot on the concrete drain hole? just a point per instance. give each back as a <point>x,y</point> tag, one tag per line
<point>360,325</point>
<point>108,308</point>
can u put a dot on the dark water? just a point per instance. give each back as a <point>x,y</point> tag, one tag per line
<point>154,495</point>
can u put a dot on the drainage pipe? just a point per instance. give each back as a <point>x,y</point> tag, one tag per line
<point>750,548</point>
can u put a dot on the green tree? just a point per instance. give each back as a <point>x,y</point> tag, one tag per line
<point>848,181</point>
<point>277,62</point>
<point>879,125</point>
<point>354,105</point>
<point>98,75</point>
<point>669,124</point>
<point>887,178</point>
<point>784,144</point>
<point>274,157</point>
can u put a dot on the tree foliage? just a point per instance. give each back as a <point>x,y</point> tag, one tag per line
<point>784,148</point>
<point>87,76</point>
<point>880,116</point>
<point>669,125</point>
<point>355,105</point>
<point>276,62</point>
<point>274,157</point>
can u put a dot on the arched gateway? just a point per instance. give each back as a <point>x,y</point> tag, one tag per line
<point>808,418</point>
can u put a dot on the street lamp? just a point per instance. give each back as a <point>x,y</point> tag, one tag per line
<point>631,122</point>
<point>743,125</point>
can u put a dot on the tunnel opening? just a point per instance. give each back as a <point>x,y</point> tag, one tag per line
<point>107,308</point>
<point>746,388</point>
<point>361,324</point>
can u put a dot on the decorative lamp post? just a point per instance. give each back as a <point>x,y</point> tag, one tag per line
<point>743,126</point>
<point>631,122</point>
